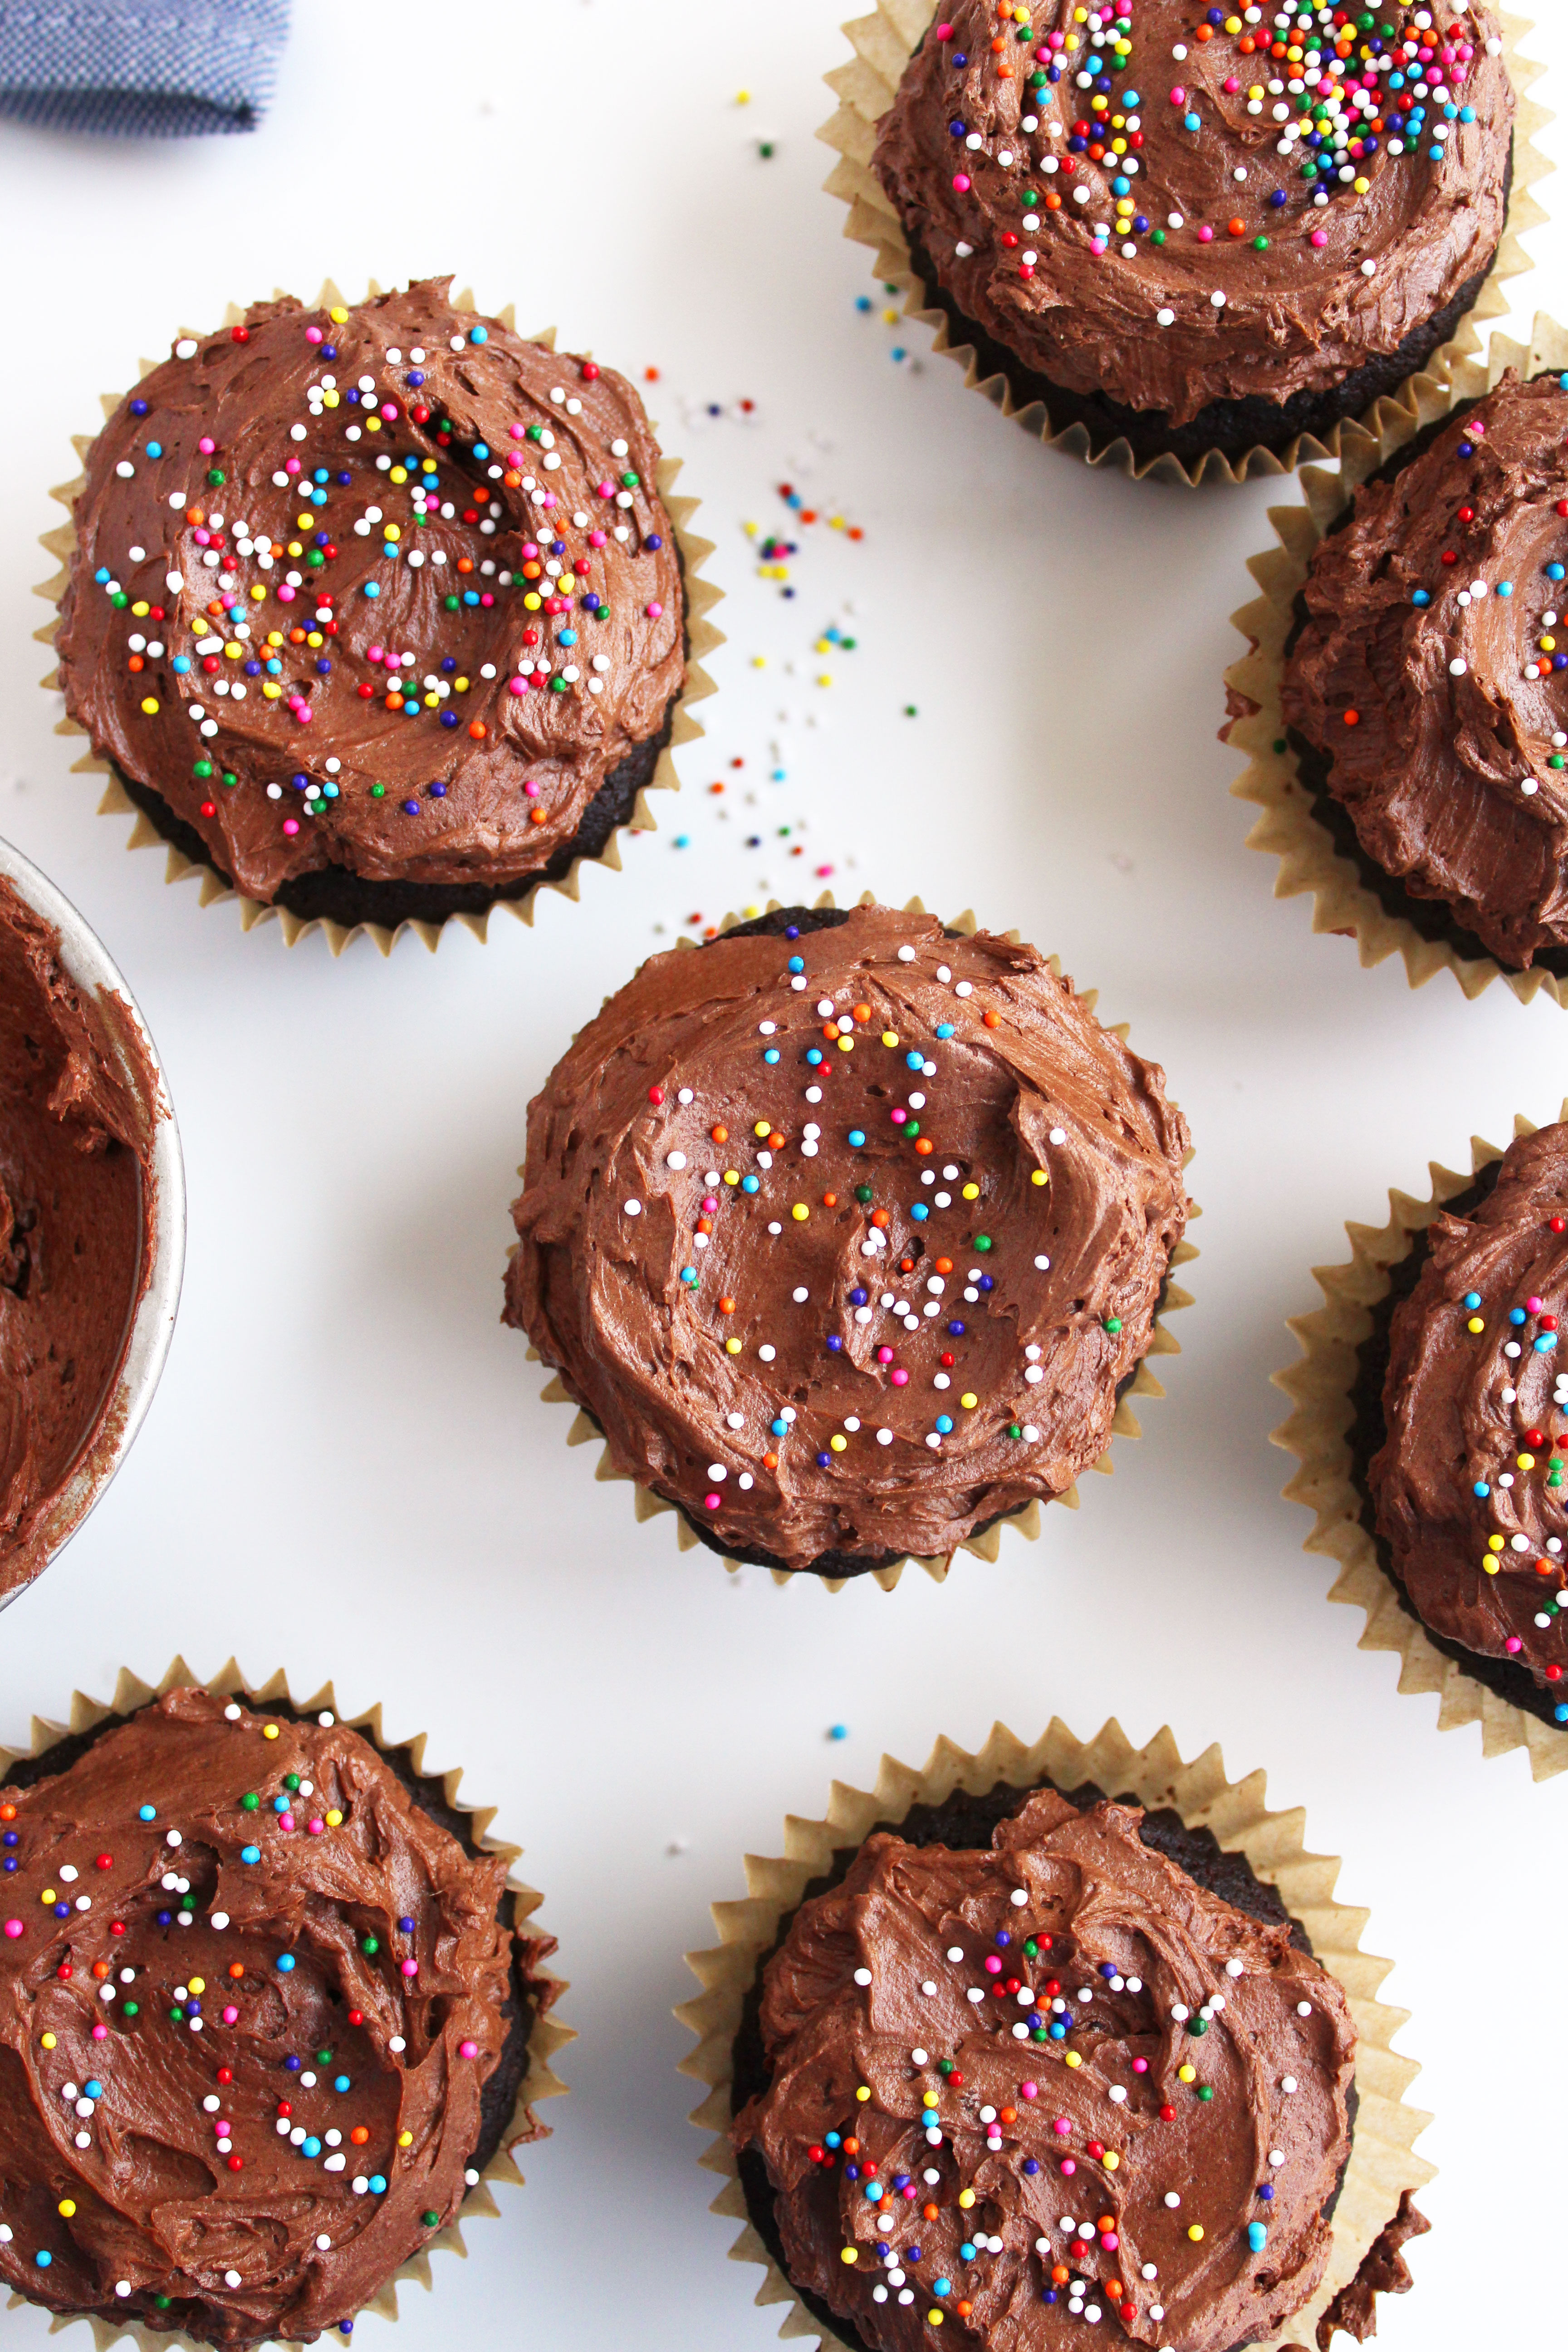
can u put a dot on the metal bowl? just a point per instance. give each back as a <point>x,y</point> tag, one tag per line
<point>89,965</point>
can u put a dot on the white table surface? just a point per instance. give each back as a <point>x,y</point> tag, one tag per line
<point>347,1470</point>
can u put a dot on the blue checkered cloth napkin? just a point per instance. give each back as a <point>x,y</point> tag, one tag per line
<point>140,69</point>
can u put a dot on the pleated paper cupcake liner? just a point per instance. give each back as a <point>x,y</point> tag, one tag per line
<point>986,1542</point>
<point>547,2037</point>
<point>1384,2171</point>
<point>884,42</point>
<point>702,637</point>
<point>1348,900</point>
<point>1318,1432</point>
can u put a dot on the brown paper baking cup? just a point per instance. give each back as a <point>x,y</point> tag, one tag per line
<point>702,636</point>
<point>1382,2168</point>
<point>1318,1432</point>
<point>540,2081</point>
<point>1288,829</point>
<point>884,42</point>
<point>986,1542</point>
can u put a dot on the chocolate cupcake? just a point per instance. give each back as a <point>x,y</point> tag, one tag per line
<point>378,612</point>
<point>1423,691</point>
<point>91,1222</point>
<point>269,2014</point>
<point>849,1233</point>
<point>1202,237</point>
<point>1016,2051</point>
<point>1431,1424</point>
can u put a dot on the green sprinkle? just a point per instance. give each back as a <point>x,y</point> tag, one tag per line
<point>1206,2093</point>
<point>378,792</point>
<point>369,1945</point>
<point>431,2220</point>
<point>982,1241</point>
<point>1113,1323</point>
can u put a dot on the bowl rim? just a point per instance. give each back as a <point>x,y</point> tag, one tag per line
<point>93,969</point>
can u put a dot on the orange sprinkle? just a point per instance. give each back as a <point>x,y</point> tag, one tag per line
<point>944,1265</point>
<point>770,1462</point>
<point>830,1200</point>
<point>726,1306</point>
<point>925,1147</point>
<point>478,729</point>
<point>880,1217</point>
<point>537,816</point>
<point>720,1134</point>
<point>993,1020</point>
<point>776,1141</point>
<point>237,1969</point>
<point>465,562</point>
<point>1353,717</point>
<point>861,1012</point>
<point>359,2135</point>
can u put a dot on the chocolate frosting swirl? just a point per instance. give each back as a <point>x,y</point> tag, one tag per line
<point>1137,214</point>
<point>986,2095</point>
<point>242,2050</point>
<point>848,1239</point>
<point>428,597</point>
<point>1468,1486</point>
<point>1426,672</point>
<point>77,1100</point>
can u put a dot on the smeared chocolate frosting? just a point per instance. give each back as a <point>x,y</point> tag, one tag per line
<point>847,1238</point>
<point>933,2147</point>
<point>1468,1486</point>
<point>243,2050</point>
<point>999,129</point>
<point>78,1101</point>
<point>426,598</point>
<point>1430,616</point>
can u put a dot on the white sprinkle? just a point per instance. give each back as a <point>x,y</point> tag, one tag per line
<point>919,2058</point>
<point>1275,2156</point>
<point>231,2278</point>
<point>122,2287</point>
<point>632,1208</point>
<point>1218,297</point>
<point>1172,2199</point>
<point>1166,318</point>
<point>954,1953</point>
<point>675,1160</point>
<point>174,1838</point>
<point>862,1975</point>
<point>185,349</point>
<point>1288,2084</point>
<point>906,955</point>
<point>1018,1897</point>
<point>1457,666</point>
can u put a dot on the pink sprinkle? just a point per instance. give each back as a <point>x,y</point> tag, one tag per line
<point>900,1379</point>
<point>315,1828</point>
<point>410,1967</point>
<point>206,445</point>
<point>290,464</point>
<point>520,432</point>
<point>100,2033</point>
<point>1206,235</point>
<point>1028,2090</point>
<point>1068,2168</point>
<point>291,825</point>
<point>960,182</point>
<point>897,1116</point>
<point>285,1820</point>
<point>1533,1305</point>
<point>231,2015</point>
<point>655,611</point>
<point>487,598</point>
<point>1232,85</point>
<point>303,714</point>
<point>521,686</point>
<point>944,32</point>
<point>204,537</point>
<point>1513,1643</point>
<point>530,550</point>
<point>993,1965</point>
<point>884,1355</point>
<point>598,539</point>
<point>1319,236</point>
<point>389,410</point>
<point>532,788</point>
<point>1178,96</point>
<point>467,2049</point>
<point>1062,2127</point>
<point>223,2131</point>
<point>709,1204</point>
<point>1110,2240</point>
<point>314,335</point>
<point>286,594</point>
<point>1140,2065</point>
<point>709,1502</point>
<point>606,489</point>
<point>373,653</point>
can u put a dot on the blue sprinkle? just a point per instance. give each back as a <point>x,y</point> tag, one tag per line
<point>752,1183</point>
<point>780,1428</point>
<point>312,2147</point>
<point>340,2083</point>
<point>837,1731</point>
<point>93,2090</point>
<point>1256,2236</point>
<point>1421,597</point>
<point>480,335</point>
<point>280,1804</point>
<point>1030,2166</point>
<point>798,963</point>
<point>250,1853</point>
<point>371,588</point>
<point>1516,1315</point>
<point>873,2190</point>
<point>569,637</point>
<point>181,664</point>
<point>966,2252</point>
<point>944,1029</point>
<point>814,1055</point>
<point>857,1137</point>
<point>378,2184</point>
<point>1472,1299</point>
<point>942,2286</point>
<point>148,1813</point>
<point>1505,588</point>
<point>43,2257</point>
<point>683,840</point>
<point>944,1423</point>
<point>1555,572</point>
<point>1560,1713</point>
<point>834,1346</point>
<point>154,448</point>
<point>1266,2193</point>
<point>1545,1343</point>
<point>832,2139</point>
<point>915,1061</point>
<point>1481,1488</point>
<point>771,1055</point>
<point>1193,122</point>
<point>919,1212</point>
<point>285,1964</point>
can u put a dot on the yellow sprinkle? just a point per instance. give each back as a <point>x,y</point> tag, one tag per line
<point>67,2206</point>
<point>966,2198</point>
<point>269,1731</point>
<point>1525,1461</point>
<point>1494,1543</point>
<point>931,2098</point>
<point>405,2139</point>
<point>373,424</point>
<point>762,1126</point>
<point>304,521</point>
<point>328,399</point>
<point>1362,186</point>
<point>232,651</point>
<point>822,646</point>
<point>531,603</point>
<point>398,474</point>
<point>339,318</point>
<point>49,1896</point>
<point>972,1191</point>
<point>1111,2159</point>
<point>390,530</point>
<point>334,1818</point>
<point>934,2317</point>
<point>295,547</point>
<point>750,529</point>
<point>847,1045</point>
<point>731,1175</point>
<point>838,1443</point>
<point>1039,1177</point>
<point>1474,1324</point>
<point>751,913</point>
<point>199,629</point>
<point>1549,644</point>
<point>314,638</point>
<point>1073,2059</point>
<point>742,97</point>
<point>825,677</point>
<point>149,704</point>
<point>272,692</point>
<point>864,2092</point>
<point>1491,1565</point>
<point>1187,2073</point>
<point>1195,2232</point>
<point>848,2254</point>
<point>800,1213</point>
<point>198,1984</point>
<point>259,595</point>
<point>141,611</point>
<point>969,1401</point>
<point>460,685</point>
<point>274,636</point>
<point>731,1347</point>
<point>48,2041</point>
<point>759,661</point>
<point>889,1036</point>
